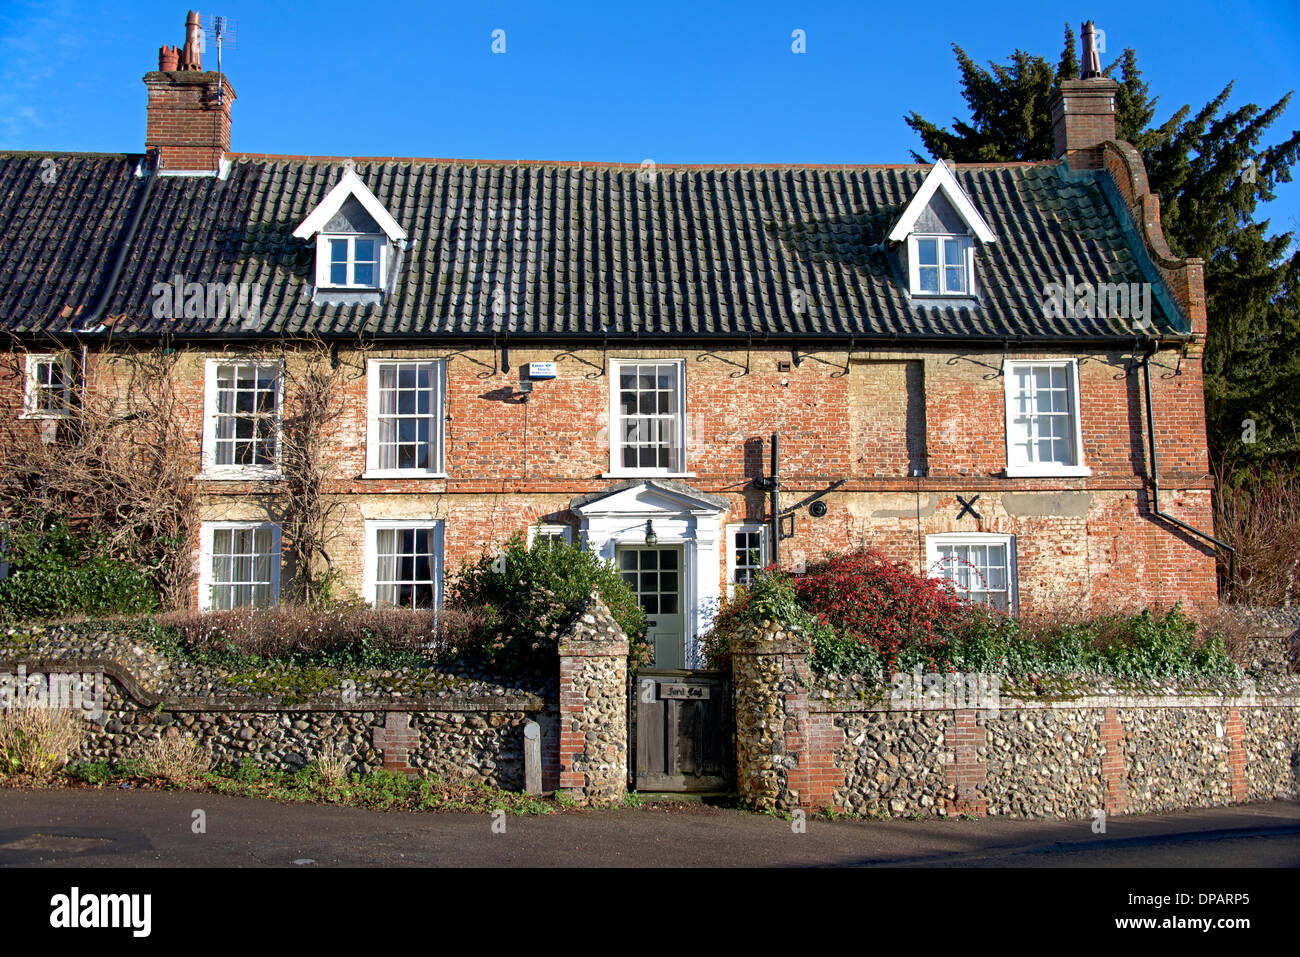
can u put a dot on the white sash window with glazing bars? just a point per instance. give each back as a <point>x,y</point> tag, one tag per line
<point>406,414</point>
<point>649,416</point>
<point>1044,432</point>
<point>404,564</point>
<point>982,566</point>
<point>243,420</point>
<point>241,567</point>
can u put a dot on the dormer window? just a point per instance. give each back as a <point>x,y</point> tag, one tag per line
<point>941,265</point>
<point>357,240</point>
<point>349,262</point>
<point>940,226</point>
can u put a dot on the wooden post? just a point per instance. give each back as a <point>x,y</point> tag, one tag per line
<point>533,758</point>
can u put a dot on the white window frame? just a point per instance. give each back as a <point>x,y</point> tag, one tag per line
<point>439,415</point>
<point>932,558</point>
<point>550,530</point>
<point>235,472</point>
<point>1022,469</point>
<point>32,389</point>
<point>765,550</point>
<point>968,263</point>
<point>206,531</point>
<point>323,261</point>
<point>373,526</point>
<point>616,467</point>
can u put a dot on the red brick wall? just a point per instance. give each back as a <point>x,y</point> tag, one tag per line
<point>510,463</point>
<point>184,120</point>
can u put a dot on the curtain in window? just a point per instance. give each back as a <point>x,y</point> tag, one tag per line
<point>221,545</point>
<point>387,418</point>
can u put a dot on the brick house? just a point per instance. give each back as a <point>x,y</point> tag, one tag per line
<point>962,363</point>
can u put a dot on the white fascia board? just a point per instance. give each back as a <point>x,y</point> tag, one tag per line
<point>941,178</point>
<point>349,185</point>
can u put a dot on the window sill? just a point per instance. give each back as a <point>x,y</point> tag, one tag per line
<point>401,474</point>
<point>644,473</point>
<point>45,416</point>
<point>239,476</point>
<point>1031,471</point>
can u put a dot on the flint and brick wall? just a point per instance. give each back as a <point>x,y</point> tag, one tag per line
<point>471,731</point>
<point>818,744</point>
<point>593,707</point>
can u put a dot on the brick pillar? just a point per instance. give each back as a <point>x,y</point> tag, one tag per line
<point>968,771</point>
<point>1235,733</point>
<point>1114,768</point>
<point>774,764</point>
<point>396,740</point>
<point>593,707</point>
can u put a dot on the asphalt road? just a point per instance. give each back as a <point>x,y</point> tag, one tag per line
<point>89,828</point>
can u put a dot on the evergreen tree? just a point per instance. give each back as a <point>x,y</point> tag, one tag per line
<point>1211,174</point>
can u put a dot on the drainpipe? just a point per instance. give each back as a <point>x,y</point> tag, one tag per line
<point>772,485</point>
<point>1155,476</point>
<point>774,495</point>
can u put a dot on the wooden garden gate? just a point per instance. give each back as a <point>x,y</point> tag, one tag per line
<point>684,730</point>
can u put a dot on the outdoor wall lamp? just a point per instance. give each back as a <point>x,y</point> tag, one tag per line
<point>651,538</point>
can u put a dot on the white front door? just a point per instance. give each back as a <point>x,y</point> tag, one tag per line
<point>655,577</point>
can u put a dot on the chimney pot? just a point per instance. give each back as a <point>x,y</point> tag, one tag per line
<point>188,121</point>
<point>1083,111</point>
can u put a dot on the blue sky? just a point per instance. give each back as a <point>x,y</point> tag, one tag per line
<point>676,82</point>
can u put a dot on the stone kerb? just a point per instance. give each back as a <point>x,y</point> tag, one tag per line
<point>770,677</point>
<point>593,707</point>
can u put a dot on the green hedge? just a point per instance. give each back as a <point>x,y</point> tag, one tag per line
<point>54,574</point>
<point>531,592</point>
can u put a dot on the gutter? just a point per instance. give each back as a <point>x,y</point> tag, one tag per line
<point>1155,476</point>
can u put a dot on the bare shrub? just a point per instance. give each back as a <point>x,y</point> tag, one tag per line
<point>174,757</point>
<point>38,741</point>
<point>294,630</point>
<point>120,468</point>
<point>314,375</point>
<point>332,764</point>
<point>1259,515</point>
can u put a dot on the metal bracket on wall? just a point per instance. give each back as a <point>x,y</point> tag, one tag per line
<point>848,356</point>
<point>703,356</point>
<point>461,353</point>
<point>968,507</point>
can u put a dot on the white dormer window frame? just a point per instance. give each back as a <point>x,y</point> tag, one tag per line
<point>953,265</point>
<point>351,186</point>
<point>940,179</point>
<point>326,260</point>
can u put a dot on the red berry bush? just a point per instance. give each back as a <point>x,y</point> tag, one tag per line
<point>881,610</point>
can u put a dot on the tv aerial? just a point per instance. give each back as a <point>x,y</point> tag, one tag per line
<point>224,33</point>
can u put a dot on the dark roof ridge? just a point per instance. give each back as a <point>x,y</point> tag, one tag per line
<point>601,164</point>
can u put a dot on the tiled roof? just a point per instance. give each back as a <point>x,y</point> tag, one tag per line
<point>576,250</point>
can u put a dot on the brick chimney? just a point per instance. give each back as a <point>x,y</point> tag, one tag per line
<point>1083,110</point>
<point>189,109</point>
